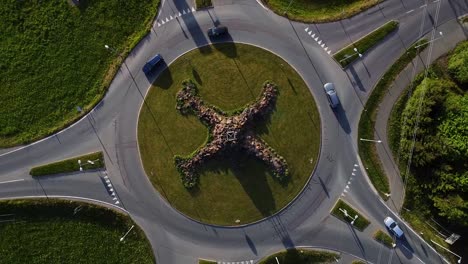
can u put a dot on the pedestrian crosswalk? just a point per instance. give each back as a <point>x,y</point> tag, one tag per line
<point>317,39</point>
<point>162,21</point>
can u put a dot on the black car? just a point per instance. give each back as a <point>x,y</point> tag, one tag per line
<point>217,31</point>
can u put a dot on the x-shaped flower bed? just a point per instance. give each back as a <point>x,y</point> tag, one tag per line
<point>228,133</point>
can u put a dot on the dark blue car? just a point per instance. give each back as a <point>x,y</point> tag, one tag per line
<point>149,65</point>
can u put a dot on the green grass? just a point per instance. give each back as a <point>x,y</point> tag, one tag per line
<point>319,10</point>
<point>301,256</point>
<point>204,261</point>
<point>229,76</point>
<point>383,238</point>
<point>361,222</point>
<point>70,165</point>
<point>53,60</point>
<point>48,231</point>
<point>358,262</point>
<point>347,55</point>
<point>368,152</point>
<point>203,3</point>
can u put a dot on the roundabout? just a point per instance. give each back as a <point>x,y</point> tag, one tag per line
<point>233,185</point>
<point>175,238</point>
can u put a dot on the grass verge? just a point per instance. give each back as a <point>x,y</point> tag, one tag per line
<point>319,11</point>
<point>70,165</point>
<point>203,3</point>
<point>358,262</point>
<point>347,55</point>
<point>53,60</point>
<point>49,231</point>
<point>368,152</point>
<point>383,238</point>
<point>361,222</point>
<point>301,256</point>
<point>229,76</point>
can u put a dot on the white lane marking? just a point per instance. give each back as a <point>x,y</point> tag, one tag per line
<point>329,52</point>
<point>180,14</point>
<point>306,29</point>
<point>171,17</point>
<point>423,6</point>
<point>193,9</point>
<point>11,181</point>
<point>412,10</point>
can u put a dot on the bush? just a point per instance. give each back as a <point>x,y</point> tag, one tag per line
<point>203,3</point>
<point>458,63</point>
<point>383,238</point>
<point>70,165</point>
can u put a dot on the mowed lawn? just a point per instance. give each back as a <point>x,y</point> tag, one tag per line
<point>229,76</point>
<point>53,59</point>
<point>49,231</point>
<point>319,10</point>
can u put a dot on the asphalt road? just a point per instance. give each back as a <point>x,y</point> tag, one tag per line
<point>111,127</point>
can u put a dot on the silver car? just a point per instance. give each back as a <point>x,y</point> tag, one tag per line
<point>393,227</point>
<point>331,95</point>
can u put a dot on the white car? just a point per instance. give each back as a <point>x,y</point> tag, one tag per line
<point>331,95</point>
<point>393,227</point>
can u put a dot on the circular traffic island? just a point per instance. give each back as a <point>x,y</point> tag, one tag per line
<point>229,134</point>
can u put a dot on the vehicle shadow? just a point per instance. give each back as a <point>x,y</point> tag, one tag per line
<point>193,27</point>
<point>160,76</point>
<point>227,47</point>
<point>340,115</point>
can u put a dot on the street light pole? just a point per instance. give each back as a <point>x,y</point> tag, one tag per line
<point>441,36</point>
<point>371,140</point>
<point>290,2</point>
<point>459,257</point>
<point>122,238</point>
<point>350,55</point>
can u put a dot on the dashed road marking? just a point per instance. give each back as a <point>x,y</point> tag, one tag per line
<point>412,10</point>
<point>167,19</point>
<point>318,40</point>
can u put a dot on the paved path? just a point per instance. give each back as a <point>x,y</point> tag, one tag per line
<point>453,32</point>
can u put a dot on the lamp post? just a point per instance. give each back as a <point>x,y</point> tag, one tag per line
<point>459,258</point>
<point>441,36</point>
<point>89,162</point>
<point>122,238</point>
<point>347,215</point>
<point>371,140</point>
<point>350,55</point>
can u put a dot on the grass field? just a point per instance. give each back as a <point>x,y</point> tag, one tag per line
<point>48,231</point>
<point>360,223</point>
<point>347,55</point>
<point>229,76</point>
<point>204,261</point>
<point>301,256</point>
<point>383,238</point>
<point>319,10</point>
<point>203,3</point>
<point>368,152</point>
<point>70,165</point>
<point>53,59</point>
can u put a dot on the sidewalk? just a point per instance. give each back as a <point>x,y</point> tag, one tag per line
<point>453,33</point>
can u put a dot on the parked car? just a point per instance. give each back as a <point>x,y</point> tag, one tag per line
<point>393,227</point>
<point>332,96</point>
<point>150,64</point>
<point>217,31</point>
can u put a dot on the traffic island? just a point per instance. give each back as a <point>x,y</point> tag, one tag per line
<point>90,161</point>
<point>200,4</point>
<point>59,231</point>
<point>384,238</point>
<point>355,50</point>
<point>301,256</point>
<point>179,145</point>
<point>346,213</point>
<point>205,261</point>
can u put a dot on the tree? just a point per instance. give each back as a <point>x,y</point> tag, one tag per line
<point>423,109</point>
<point>458,63</point>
